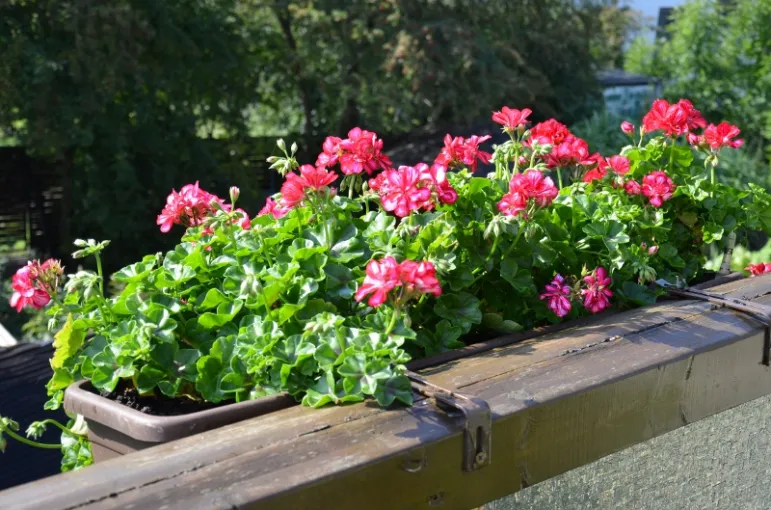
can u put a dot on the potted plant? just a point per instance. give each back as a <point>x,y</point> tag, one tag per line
<point>325,295</point>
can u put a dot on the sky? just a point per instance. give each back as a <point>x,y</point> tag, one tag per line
<point>650,8</point>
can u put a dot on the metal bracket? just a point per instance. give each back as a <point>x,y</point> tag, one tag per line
<point>477,419</point>
<point>757,311</point>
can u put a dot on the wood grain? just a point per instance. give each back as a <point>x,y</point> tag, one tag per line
<point>559,402</point>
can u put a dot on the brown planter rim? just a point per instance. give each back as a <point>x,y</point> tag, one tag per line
<point>79,398</point>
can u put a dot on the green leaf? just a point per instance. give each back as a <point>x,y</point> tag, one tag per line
<point>212,299</point>
<point>460,309</point>
<point>148,379</point>
<point>396,387</point>
<point>66,343</point>
<point>225,313</point>
<point>519,279</point>
<point>712,232</point>
<point>637,293</point>
<point>135,272</point>
<point>348,247</point>
<point>207,382</point>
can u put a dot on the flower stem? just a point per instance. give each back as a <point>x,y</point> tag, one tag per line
<point>99,272</point>
<point>392,324</point>
<point>559,178</point>
<point>49,421</point>
<point>492,251</point>
<point>514,244</point>
<point>29,442</point>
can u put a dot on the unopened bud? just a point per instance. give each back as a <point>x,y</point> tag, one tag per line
<point>281,144</point>
<point>627,127</point>
<point>234,194</point>
<point>653,250</point>
<point>293,148</point>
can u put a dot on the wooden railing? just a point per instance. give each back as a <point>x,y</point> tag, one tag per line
<point>558,402</point>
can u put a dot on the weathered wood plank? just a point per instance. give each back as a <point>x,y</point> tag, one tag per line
<point>558,403</point>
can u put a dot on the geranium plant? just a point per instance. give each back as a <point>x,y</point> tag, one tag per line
<point>325,295</point>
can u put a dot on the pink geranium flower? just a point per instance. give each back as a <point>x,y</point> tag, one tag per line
<point>627,127</point>
<point>512,204</point>
<point>419,277</point>
<point>311,178</point>
<point>722,135</point>
<point>619,164</point>
<point>658,187</point>
<point>460,151</point>
<point>694,119</point>
<point>188,207</point>
<point>632,188</point>
<point>331,152</point>
<point>273,208</point>
<point>512,119</point>
<point>361,151</point>
<point>550,132</point>
<point>597,293</point>
<point>557,296</point>
<point>571,151</point>
<point>759,269</point>
<point>26,289</point>
<point>533,185</point>
<point>381,277</point>
<point>435,179</point>
<point>672,119</point>
<point>401,191</point>
<point>292,191</point>
<point>594,174</point>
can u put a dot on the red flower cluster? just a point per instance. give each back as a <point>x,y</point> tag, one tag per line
<point>722,135</point>
<point>386,274</point>
<point>759,269</point>
<point>531,185</point>
<point>658,187</point>
<point>412,188</point>
<point>551,132</point>
<point>597,293</point>
<point>512,119</point>
<point>567,149</point>
<point>34,283</point>
<point>188,208</point>
<point>361,151</point>
<point>618,164</point>
<point>675,119</point>
<point>295,187</point>
<point>461,151</point>
<point>572,151</point>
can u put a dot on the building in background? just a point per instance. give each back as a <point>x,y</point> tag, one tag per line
<point>628,95</point>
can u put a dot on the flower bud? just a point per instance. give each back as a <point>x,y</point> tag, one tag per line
<point>234,194</point>
<point>281,144</point>
<point>627,127</point>
<point>653,250</point>
<point>293,148</point>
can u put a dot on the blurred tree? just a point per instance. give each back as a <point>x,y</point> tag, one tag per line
<point>396,65</point>
<point>141,96</point>
<point>717,54</point>
<point>124,90</point>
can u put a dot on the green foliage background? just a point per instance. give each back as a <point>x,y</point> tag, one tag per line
<point>137,97</point>
<point>717,54</point>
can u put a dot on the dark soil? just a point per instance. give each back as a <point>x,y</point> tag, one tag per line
<point>156,405</point>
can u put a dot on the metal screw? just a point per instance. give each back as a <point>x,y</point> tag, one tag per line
<point>480,458</point>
